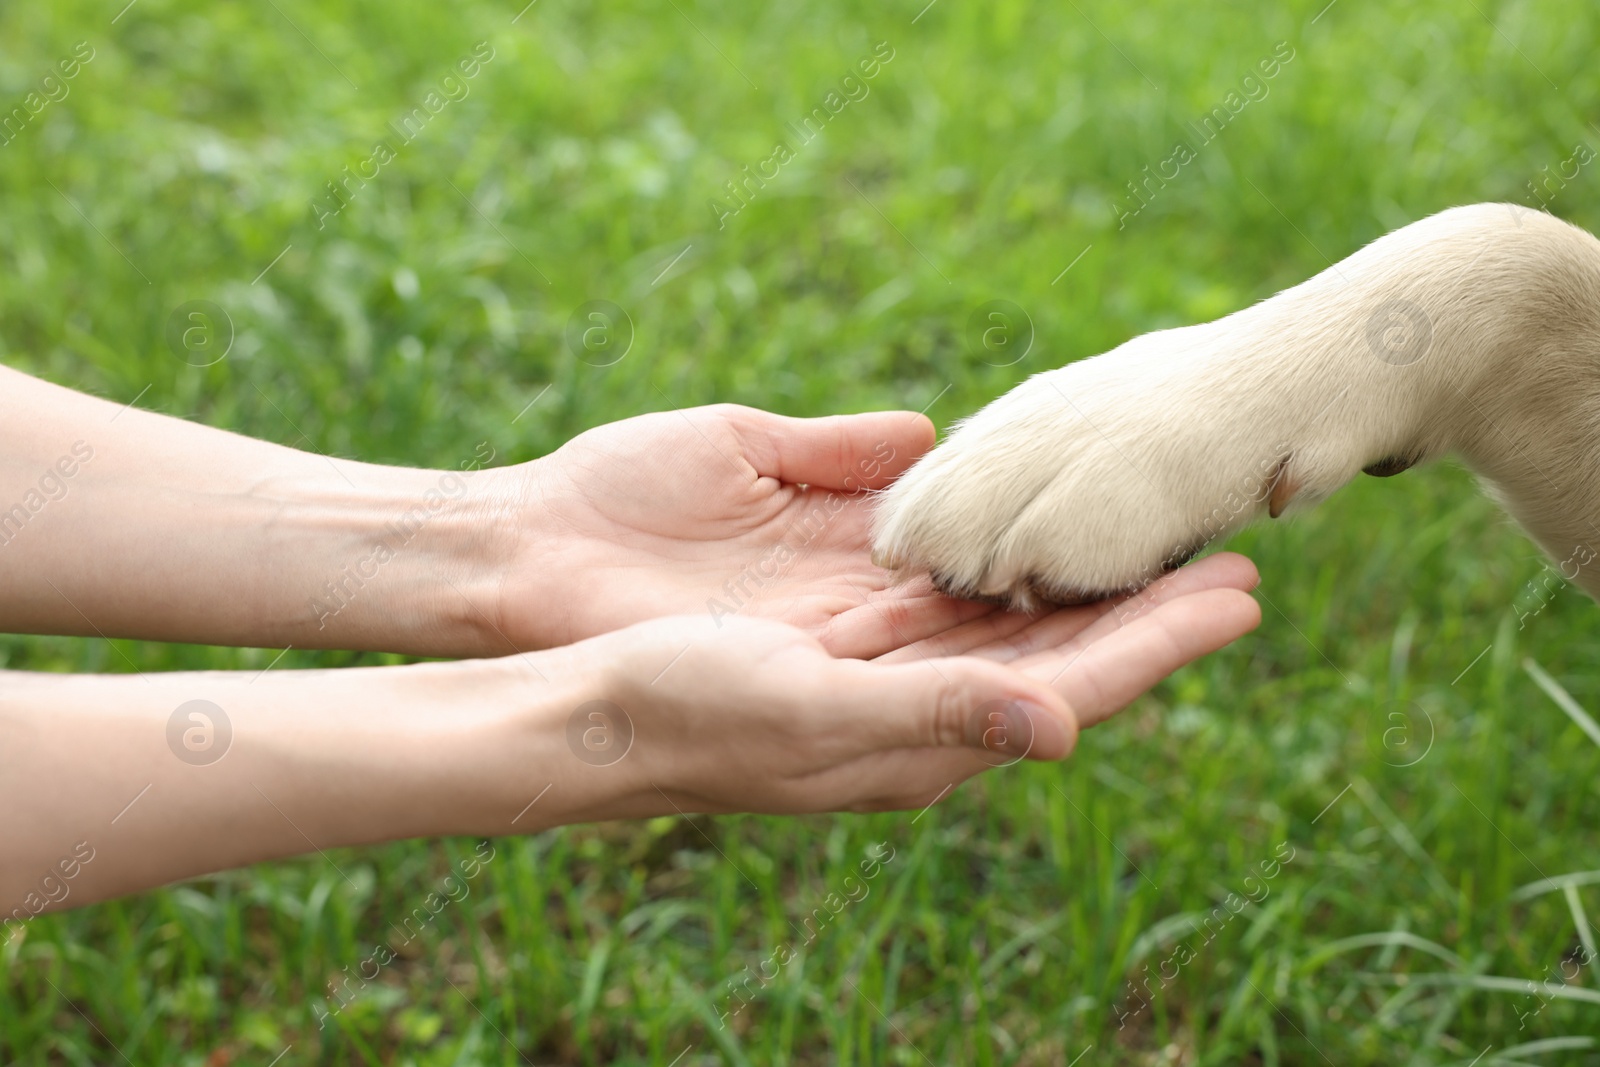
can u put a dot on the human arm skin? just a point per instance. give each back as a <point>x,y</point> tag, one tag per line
<point>751,715</point>
<point>120,522</point>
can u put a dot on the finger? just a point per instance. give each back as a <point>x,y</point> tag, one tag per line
<point>893,618</point>
<point>988,635</point>
<point>848,452</point>
<point>1226,570</point>
<point>1130,611</point>
<point>958,703</point>
<point>1007,636</point>
<point>1107,675</point>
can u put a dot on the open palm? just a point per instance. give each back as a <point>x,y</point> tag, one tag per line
<point>723,510</point>
<point>753,715</point>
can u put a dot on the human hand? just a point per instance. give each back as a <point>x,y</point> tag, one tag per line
<point>723,511</point>
<point>672,513</point>
<point>720,511</point>
<point>756,716</point>
<point>750,716</point>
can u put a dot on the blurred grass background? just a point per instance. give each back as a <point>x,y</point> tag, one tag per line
<point>1019,921</point>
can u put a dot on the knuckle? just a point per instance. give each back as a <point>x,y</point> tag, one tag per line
<point>950,723</point>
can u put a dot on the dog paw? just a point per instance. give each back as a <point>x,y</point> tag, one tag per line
<point>1095,479</point>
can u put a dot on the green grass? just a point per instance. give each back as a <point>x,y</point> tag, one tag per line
<point>1013,921</point>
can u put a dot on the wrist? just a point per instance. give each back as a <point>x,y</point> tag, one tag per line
<point>553,750</point>
<point>522,561</point>
<point>408,562</point>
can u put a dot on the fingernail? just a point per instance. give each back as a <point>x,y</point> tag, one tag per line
<point>1049,733</point>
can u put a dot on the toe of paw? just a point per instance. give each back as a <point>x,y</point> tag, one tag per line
<point>966,589</point>
<point>1060,594</point>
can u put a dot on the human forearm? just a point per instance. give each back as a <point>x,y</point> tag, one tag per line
<point>137,781</point>
<point>155,788</point>
<point>127,523</point>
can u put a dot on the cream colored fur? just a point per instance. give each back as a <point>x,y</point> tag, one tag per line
<point>1474,332</point>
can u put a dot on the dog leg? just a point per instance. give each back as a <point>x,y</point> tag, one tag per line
<point>1474,331</point>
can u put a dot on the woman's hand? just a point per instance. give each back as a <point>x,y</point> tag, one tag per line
<point>719,511</point>
<point>153,527</point>
<point>166,776</point>
<point>132,524</point>
<point>756,716</point>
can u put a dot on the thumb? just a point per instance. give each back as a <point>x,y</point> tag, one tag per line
<point>966,702</point>
<point>848,452</point>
